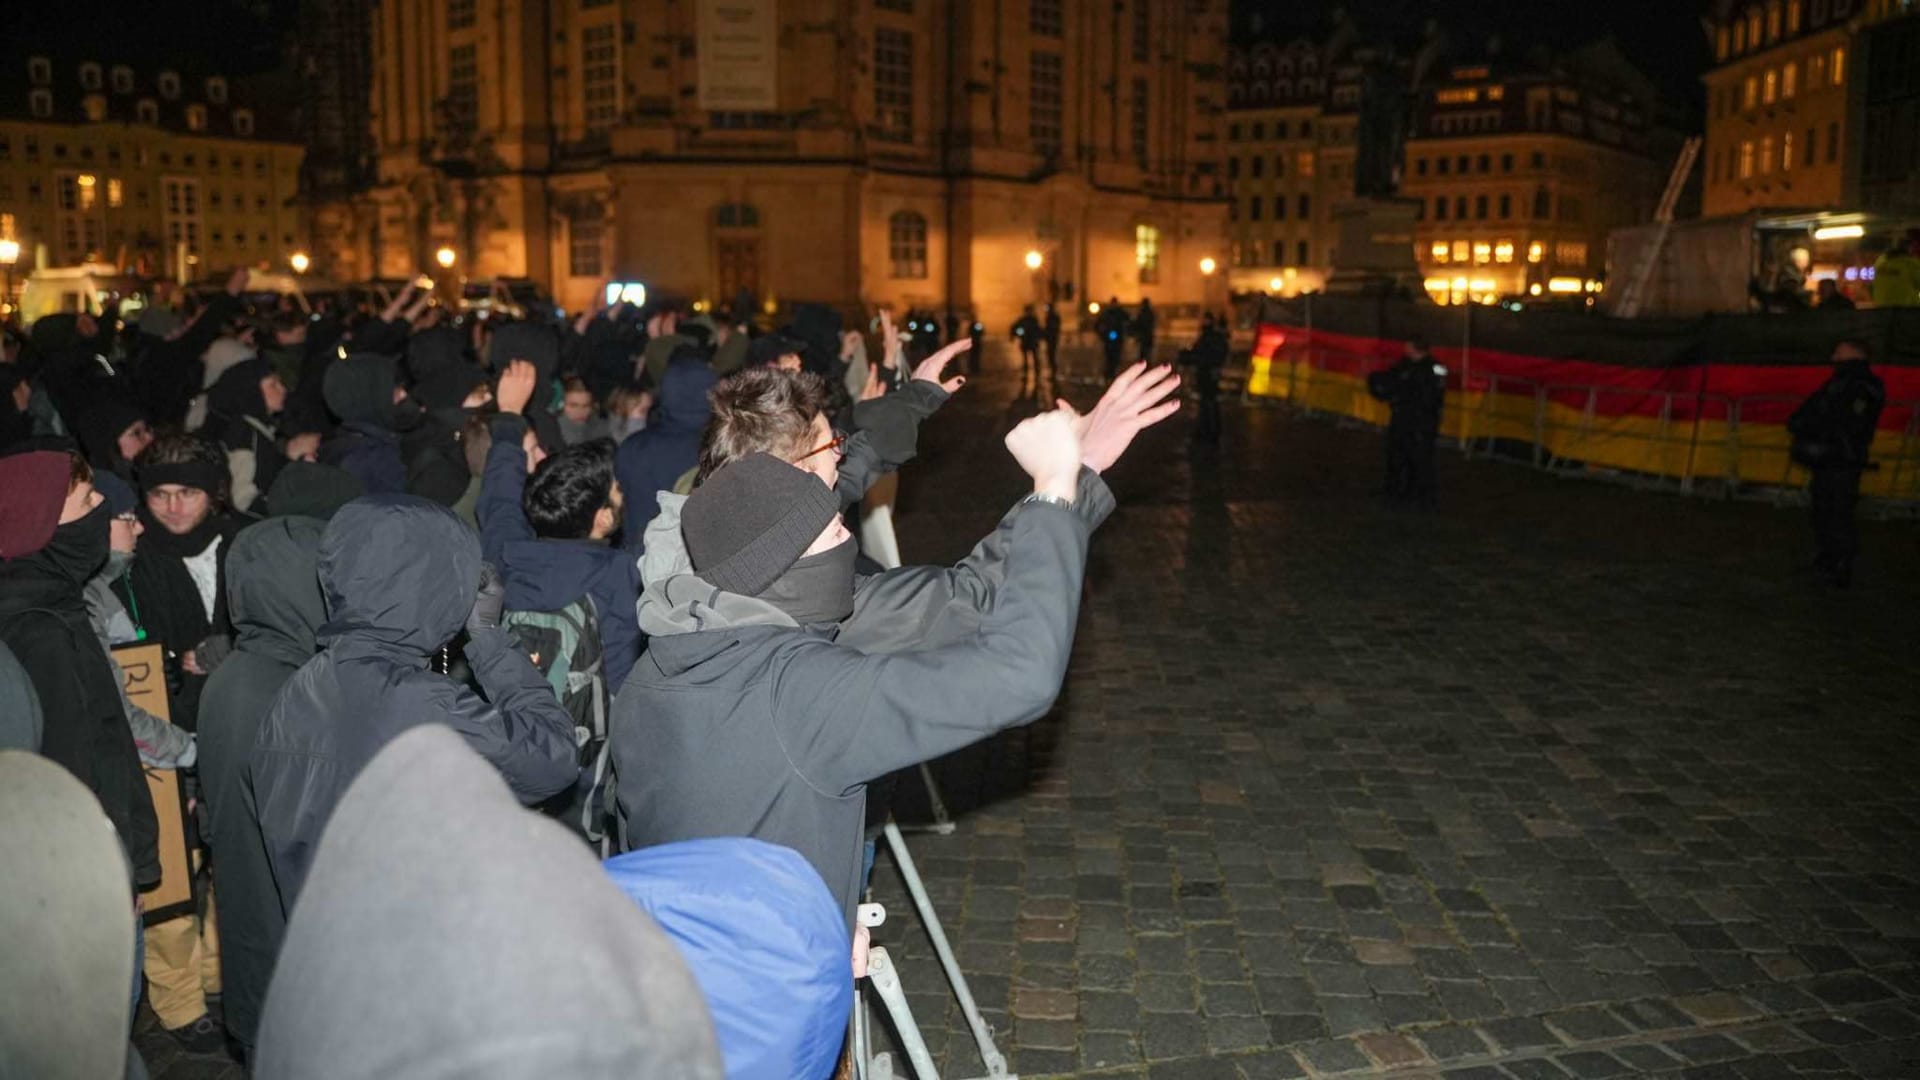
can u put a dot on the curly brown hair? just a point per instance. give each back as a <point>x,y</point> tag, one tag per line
<point>760,410</point>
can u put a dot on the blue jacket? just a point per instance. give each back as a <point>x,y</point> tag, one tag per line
<point>765,941</point>
<point>546,575</point>
<point>652,459</point>
<point>370,454</point>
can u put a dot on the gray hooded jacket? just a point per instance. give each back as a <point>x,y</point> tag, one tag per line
<point>738,722</point>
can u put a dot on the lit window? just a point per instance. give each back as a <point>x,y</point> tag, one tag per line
<point>907,244</point>
<point>1750,93</point>
<point>1536,251</point>
<point>1304,164</point>
<point>196,118</point>
<point>1766,155</point>
<point>1746,159</point>
<point>1839,66</point>
<point>113,193</point>
<point>96,108</point>
<point>1770,87</point>
<point>1789,81</point>
<point>1461,251</point>
<point>1786,152</point>
<point>1482,252</point>
<point>1503,251</point>
<point>1146,253</point>
<point>1440,252</point>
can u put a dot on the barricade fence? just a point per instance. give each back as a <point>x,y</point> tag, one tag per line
<point>1697,429</point>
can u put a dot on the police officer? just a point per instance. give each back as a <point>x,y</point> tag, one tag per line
<point>1050,336</point>
<point>977,331</point>
<point>1144,323</point>
<point>1415,389</point>
<point>1832,434</point>
<point>1027,333</point>
<point>1207,356</point>
<point>1112,328</point>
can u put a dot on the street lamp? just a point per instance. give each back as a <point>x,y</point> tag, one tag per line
<point>1208,266</point>
<point>9,254</point>
<point>1034,259</point>
<point>1274,284</point>
<point>444,257</point>
<point>299,261</point>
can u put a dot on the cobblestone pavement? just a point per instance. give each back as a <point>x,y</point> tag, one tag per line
<point>1560,780</point>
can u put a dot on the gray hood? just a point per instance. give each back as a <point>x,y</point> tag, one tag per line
<point>678,601</point>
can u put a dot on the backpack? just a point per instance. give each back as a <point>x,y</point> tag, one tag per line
<point>564,646</point>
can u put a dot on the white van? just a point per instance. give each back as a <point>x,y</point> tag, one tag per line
<point>73,290</point>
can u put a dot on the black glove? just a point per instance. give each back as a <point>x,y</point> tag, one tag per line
<point>489,603</point>
<point>213,652</point>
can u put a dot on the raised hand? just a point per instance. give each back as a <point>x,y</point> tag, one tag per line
<point>1047,447</point>
<point>930,369</point>
<point>1137,400</point>
<point>516,387</point>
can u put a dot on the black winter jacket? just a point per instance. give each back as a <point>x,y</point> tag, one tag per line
<point>399,573</point>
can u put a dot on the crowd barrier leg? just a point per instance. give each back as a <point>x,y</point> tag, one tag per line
<point>990,1056</point>
<point>885,981</point>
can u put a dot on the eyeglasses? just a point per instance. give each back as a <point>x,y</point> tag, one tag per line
<point>839,440</point>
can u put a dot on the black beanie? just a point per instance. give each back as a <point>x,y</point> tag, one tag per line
<point>753,519</point>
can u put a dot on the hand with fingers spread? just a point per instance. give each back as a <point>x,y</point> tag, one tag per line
<point>1137,400</point>
<point>516,387</point>
<point>934,366</point>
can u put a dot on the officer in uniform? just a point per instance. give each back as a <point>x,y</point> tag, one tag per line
<point>1207,356</point>
<point>1051,338</point>
<point>1027,333</point>
<point>1416,389</point>
<point>1832,434</point>
<point>1112,328</point>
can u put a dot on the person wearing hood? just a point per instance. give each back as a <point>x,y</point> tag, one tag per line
<point>401,576</point>
<point>446,932</point>
<point>448,389</point>
<point>654,458</point>
<point>241,411</point>
<point>16,405</point>
<point>226,353</point>
<point>54,535</point>
<point>537,345</point>
<point>273,589</point>
<point>765,941</point>
<point>73,356</point>
<point>580,420</point>
<point>113,431</point>
<point>176,588</point>
<point>547,528</point>
<point>362,391</point>
<point>749,715</point>
<point>169,371</point>
<point>162,745</point>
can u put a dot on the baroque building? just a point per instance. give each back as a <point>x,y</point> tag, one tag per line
<point>911,152</point>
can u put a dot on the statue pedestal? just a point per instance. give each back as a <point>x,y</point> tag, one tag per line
<point>1374,255</point>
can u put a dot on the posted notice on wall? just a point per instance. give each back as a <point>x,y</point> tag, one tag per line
<point>739,55</point>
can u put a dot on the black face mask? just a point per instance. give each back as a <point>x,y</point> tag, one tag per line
<point>817,589</point>
<point>79,548</point>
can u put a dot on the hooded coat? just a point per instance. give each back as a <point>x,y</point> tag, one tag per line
<point>99,426</point>
<point>739,722</point>
<point>445,932</point>
<point>442,379</point>
<point>538,345</point>
<point>651,459</point>
<point>238,420</point>
<point>359,390</point>
<point>273,594</point>
<point>761,934</point>
<point>169,373</point>
<point>399,574</point>
<point>545,574</point>
<point>43,620</point>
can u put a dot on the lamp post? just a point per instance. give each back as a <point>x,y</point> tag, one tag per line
<point>9,254</point>
<point>299,261</point>
<point>445,257</point>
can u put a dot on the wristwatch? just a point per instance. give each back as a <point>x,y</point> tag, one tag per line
<point>1043,497</point>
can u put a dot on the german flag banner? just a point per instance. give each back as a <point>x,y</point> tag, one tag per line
<point>1694,421</point>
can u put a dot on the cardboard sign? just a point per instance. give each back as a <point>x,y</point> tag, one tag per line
<point>146,682</point>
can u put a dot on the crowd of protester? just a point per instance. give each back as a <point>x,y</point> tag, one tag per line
<point>610,564</point>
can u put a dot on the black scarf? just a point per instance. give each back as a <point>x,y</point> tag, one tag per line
<point>817,589</point>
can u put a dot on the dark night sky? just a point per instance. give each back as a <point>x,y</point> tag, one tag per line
<point>1662,37</point>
